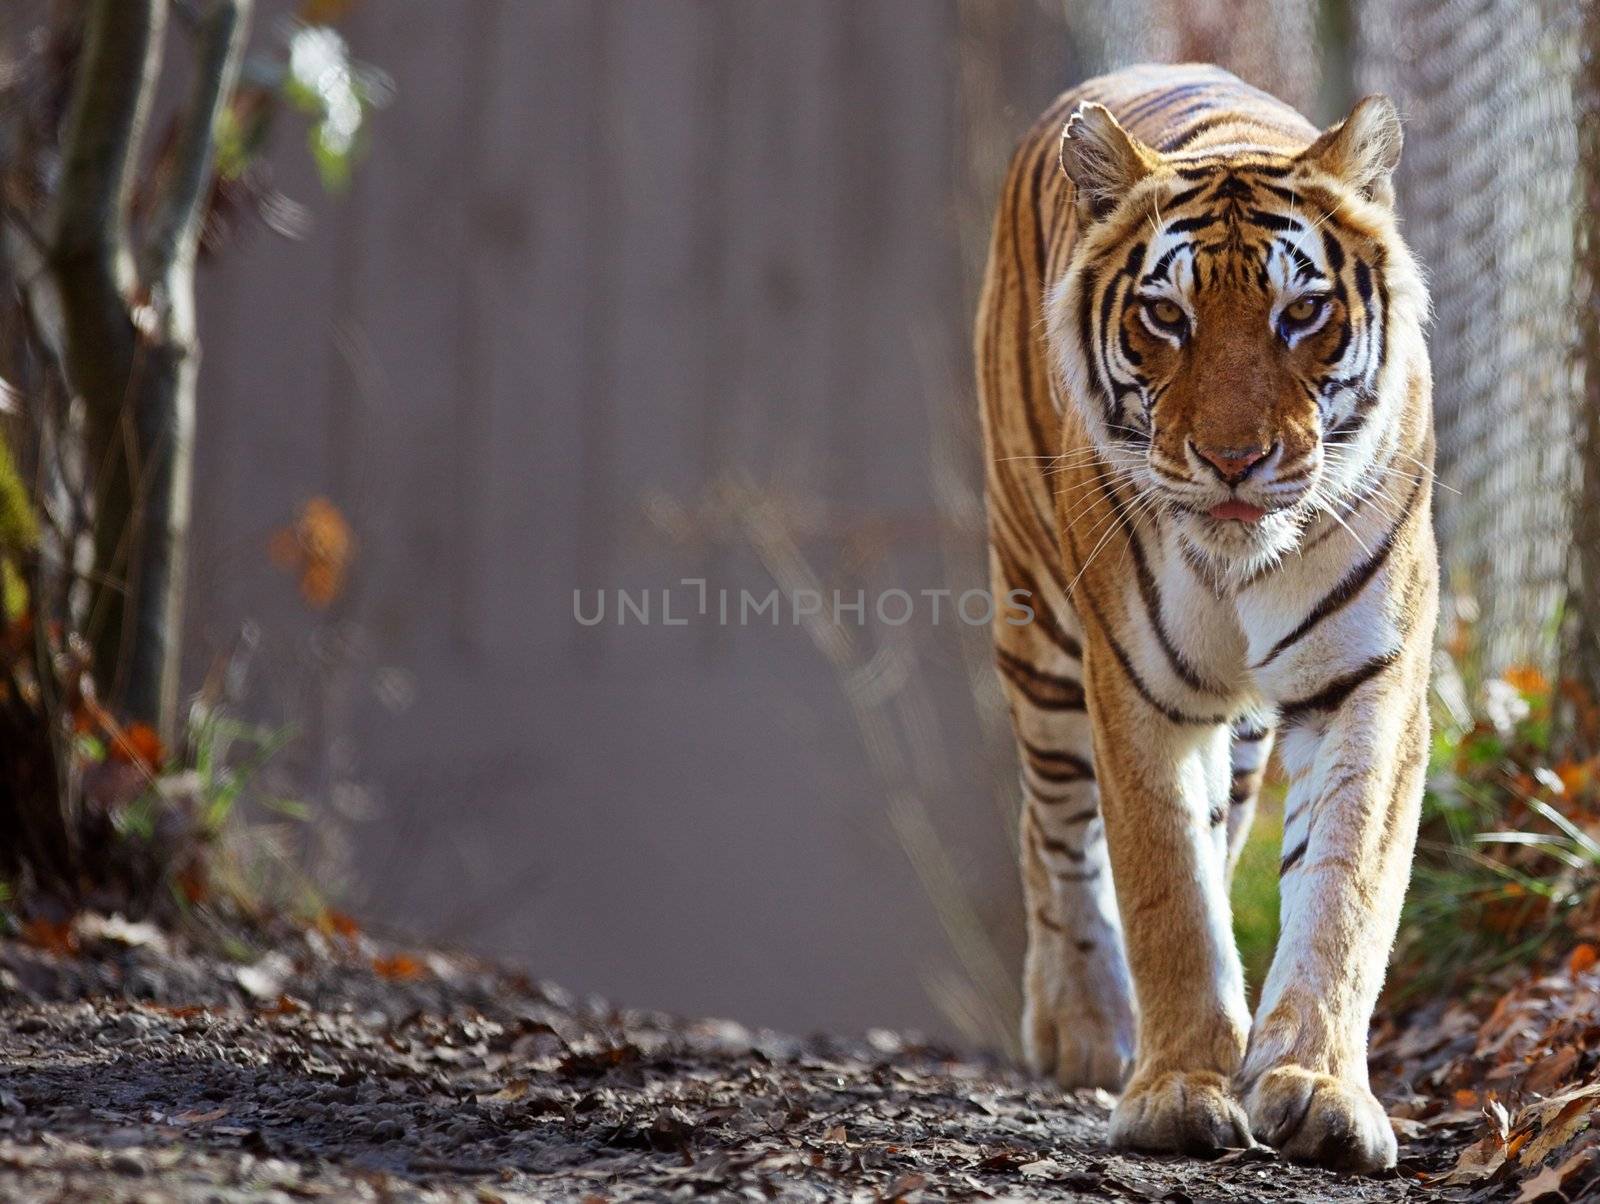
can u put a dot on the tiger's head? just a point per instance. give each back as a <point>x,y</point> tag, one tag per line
<point>1235,328</point>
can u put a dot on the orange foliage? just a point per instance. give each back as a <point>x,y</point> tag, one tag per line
<point>53,936</point>
<point>1527,679</point>
<point>324,12</point>
<point>335,923</point>
<point>193,883</point>
<point>137,744</point>
<point>1582,959</point>
<point>400,967</point>
<point>1576,776</point>
<point>317,548</point>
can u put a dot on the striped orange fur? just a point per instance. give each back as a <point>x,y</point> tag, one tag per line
<point>1207,418</point>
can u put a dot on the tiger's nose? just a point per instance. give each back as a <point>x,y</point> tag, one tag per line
<point>1232,464</point>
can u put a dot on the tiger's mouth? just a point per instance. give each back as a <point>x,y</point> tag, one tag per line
<point>1234,512</point>
<point>1238,533</point>
<point>1238,510</point>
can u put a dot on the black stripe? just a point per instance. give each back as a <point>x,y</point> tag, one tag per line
<point>1274,221</point>
<point>1047,691</point>
<point>1161,97</point>
<point>1302,262</point>
<point>1334,251</point>
<point>1036,193</point>
<point>1128,353</point>
<point>1088,285</point>
<point>1025,334</point>
<point>1128,271</point>
<point>1292,859</point>
<point>1162,264</point>
<point>1063,849</point>
<point>1337,690</point>
<point>1354,581</point>
<point>1179,141</point>
<point>1383,328</point>
<point>1045,615</point>
<point>1234,187</point>
<point>1208,166</point>
<point>1346,329</point>
<point>1170,713</point>
<point>1049,798</point>
<point>1151,597</point>
<point>1036,834</point>
<point>1063,766</point>
<point>1010,518</point>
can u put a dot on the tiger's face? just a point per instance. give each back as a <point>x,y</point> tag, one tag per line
<point>1225,324</point>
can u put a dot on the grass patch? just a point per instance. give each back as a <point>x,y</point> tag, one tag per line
<point>1255,890</point>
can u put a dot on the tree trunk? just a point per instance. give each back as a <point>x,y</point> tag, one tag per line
<point>130,346</point>
<point>1582,652</point>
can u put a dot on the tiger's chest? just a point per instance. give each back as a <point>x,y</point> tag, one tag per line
<point>1220,650</point>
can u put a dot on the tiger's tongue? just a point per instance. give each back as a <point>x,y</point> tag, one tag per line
<point>1243,512</point>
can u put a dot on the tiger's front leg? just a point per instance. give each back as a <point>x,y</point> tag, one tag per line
<point>1356,769</point>
<point>1162,781</point>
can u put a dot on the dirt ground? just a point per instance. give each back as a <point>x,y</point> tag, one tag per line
<point>130,1071</point>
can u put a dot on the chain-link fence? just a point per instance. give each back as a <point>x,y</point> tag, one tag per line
<point>1489,188</point>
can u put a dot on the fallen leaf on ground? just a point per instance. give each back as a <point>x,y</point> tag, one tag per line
<point>1565,1124</point>
<point>399,967</point>
<point>514,1089</point>
<point>1479,1161</point>
<point>138,744</point>
<point>53,936</point>
<point>1582,960</point>
<point>194,1116</point>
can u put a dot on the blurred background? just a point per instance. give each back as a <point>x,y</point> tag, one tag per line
<point>609,294</point>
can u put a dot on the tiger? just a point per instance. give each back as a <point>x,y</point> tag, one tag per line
<point>1206,405</point>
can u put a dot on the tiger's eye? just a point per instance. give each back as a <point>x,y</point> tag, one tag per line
<point>1168,313</point>
<point>1303,310</point>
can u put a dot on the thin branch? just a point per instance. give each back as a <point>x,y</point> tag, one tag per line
<point>116,78</point>
<point>175,231</point>
<point>110,107</point>
<point>23,225</point>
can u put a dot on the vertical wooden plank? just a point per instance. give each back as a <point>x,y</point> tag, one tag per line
<point>602,249</point>
<point>594,564</point>
<point>259,450</point>
<point>469,615</point>
<point>536,233</point>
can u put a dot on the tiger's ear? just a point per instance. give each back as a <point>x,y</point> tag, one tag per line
<point>1363,149</point>
<point>1102,159</point>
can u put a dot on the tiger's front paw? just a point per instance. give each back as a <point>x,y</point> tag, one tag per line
<point>1077,1014</point>
<point>1181,1111</point>
<point>1314,1117</point>
<point>1075,1049</point>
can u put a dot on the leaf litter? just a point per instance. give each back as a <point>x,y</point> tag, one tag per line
<point>148,1071</point>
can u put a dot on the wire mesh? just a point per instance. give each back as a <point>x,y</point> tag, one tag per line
<point>1488,188</point>
<point>1272,44</point>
